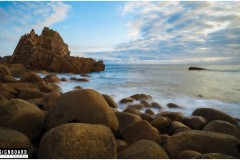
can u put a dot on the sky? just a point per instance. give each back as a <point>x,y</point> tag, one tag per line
<point>164,32</point>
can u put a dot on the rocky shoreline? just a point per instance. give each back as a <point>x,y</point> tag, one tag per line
<point>84,123</point>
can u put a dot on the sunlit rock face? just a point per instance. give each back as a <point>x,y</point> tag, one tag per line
<point>48,51</point>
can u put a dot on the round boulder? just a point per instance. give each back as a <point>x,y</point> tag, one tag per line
<point>161,123</point>
<point>223,127</point>
<point>213,156</point>
<point>156,105</point>
<point>145,103</point>
<point>133,111</point>
<point>174,116</point>
<point>78,141</point>
<point>52,78</point>
<point>27,94</point>
<point>31,77</point>
<point>48,87</point>
<point>203,142</point>
<point>147,117</point>
<point>143,149</point>
<point>84,106</point>
<point>149,111</point>
<point>140,96</point>
<point>49,99</point>
<point>211,114</point>
<point>110,101</point>
<point>188,154</point>
<point>13,139</point>
<point>136,106</point>
<point>140,130</point>
<point>126,100</point>
<point>121,144</point>
<point>23,116</point>
<point>125,119</point>
<point>177,127</point>
<point>194,122</point>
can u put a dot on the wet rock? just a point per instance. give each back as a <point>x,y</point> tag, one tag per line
<point>13,139</point>
<point>27,94</point>
<point>52,78</point>
<point>141,97</point>
<point>84,106</point>
<point>78,141</point>
<point>194,122</point>
<point>49,99</point>
<point>196,68</point>
<point>126,119</point>
<point>214,156</point>
<point>172,105</point>
<point>48,87</point>
<point>24,117</point>
<point>121,144</point>
<point>211,114</point>
<point>63,79</point>
<point>31,77</point>
<point>78,87</point>
<point>149,111</point>
<point>188,154</point>
<point>147,117</point>
<point>85,75</point>
<point>156,105</point>
<point>143,149</point>
<point>161,123</point>
<point>223,127</point>
<point>174,116</point>
<point>79,79</point>
<point>145,103</point>
<point>136,106</point>
<point>203,142</point>
<point>126,100</point>
<point>110,101</point>
<point>132,111</point>
<point>177,127</point>
<point>140,130</point>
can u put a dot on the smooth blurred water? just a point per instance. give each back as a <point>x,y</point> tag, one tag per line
<point>219,86</point>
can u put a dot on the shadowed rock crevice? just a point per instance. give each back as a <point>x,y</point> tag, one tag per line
<point>49,52</point>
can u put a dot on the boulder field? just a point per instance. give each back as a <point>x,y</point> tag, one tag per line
<point>84,123</point>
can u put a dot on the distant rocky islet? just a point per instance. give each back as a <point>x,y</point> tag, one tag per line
<point>84,123</point>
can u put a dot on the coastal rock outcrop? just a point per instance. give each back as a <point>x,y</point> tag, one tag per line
<point>49,52</point>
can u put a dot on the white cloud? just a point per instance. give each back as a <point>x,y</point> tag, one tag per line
<point>180,29</point>
<point>59,14</point>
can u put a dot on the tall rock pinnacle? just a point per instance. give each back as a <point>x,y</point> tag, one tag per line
<point>48,51</point>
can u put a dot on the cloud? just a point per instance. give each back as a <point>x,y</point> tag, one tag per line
<point>182,30</point>
<point>19,17</point>
<point>59,14</point>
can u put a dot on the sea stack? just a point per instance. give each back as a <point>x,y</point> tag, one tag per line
<point>49,52</point>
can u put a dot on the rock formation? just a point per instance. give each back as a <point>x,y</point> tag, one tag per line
<point>49,52</point>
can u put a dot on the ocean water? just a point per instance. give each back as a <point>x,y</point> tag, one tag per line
<point>219,87</point>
